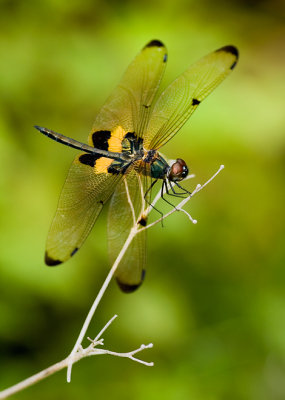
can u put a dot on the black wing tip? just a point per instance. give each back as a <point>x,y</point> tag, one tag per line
<point>229,49</point>
<point>154,43</point>
<point>127,288</point>
<point>51,262</point>
<point>232,50</point>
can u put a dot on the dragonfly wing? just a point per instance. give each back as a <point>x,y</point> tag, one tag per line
<point>130,272</point>
<point>82,198</point>
<point>182,97</point>
<point>128,108</point>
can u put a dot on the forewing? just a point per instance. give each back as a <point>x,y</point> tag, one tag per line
<point>130,272</point>
<point>182,97</point>
<point>82,198</point>
<point>130,103</point>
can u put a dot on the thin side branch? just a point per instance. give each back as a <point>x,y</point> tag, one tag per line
<point>91,350</point>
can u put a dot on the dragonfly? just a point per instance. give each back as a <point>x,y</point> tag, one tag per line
<point>122,160</point>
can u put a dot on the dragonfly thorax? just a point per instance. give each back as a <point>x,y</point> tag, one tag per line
<point>158,165</point>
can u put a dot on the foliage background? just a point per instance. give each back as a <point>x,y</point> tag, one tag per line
<point>213,301</point>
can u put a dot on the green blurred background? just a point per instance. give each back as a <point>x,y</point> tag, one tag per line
<point>213,302</point>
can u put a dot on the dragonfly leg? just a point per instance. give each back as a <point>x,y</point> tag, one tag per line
<point>182,188</point>
<point>164,184</point>
<point>149,203</point>
<point>149,189</point>
<point>176,194</point>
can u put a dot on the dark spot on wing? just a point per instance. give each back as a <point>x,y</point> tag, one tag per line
<point>165,58</point>
<point>51,262</point>
<point>155,43</point>
<point>74,251</point>
<point>101,202</point>
<point>195,102</point>
<point>100,139</point>
<point>145,106</point>
<point>89,159</point>
<point>113,170</point>
<point>131,135</point>
<point>142,221</point>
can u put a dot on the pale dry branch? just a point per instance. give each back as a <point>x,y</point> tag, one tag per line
<point>130,201</point>
<point>98,299</point>
<point>142,196</point>
<point>129,354</point>
<point>81,353</point>
<point>194,221</point>
<point>78,352</point>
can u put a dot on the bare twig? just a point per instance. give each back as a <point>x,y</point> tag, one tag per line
<point>78,352</point>
<point>130,202</point>
<point>97,301</point>
<point>91,350</point>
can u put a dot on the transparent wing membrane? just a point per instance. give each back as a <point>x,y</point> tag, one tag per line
<point>82,198</point>
<point>180,99</point>
<point>130,272</point>
<point>130,103</point>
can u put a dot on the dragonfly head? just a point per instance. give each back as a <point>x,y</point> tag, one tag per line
<point>178,170</point>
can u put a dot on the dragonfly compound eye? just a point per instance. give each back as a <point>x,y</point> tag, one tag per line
<point>178,170</point>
